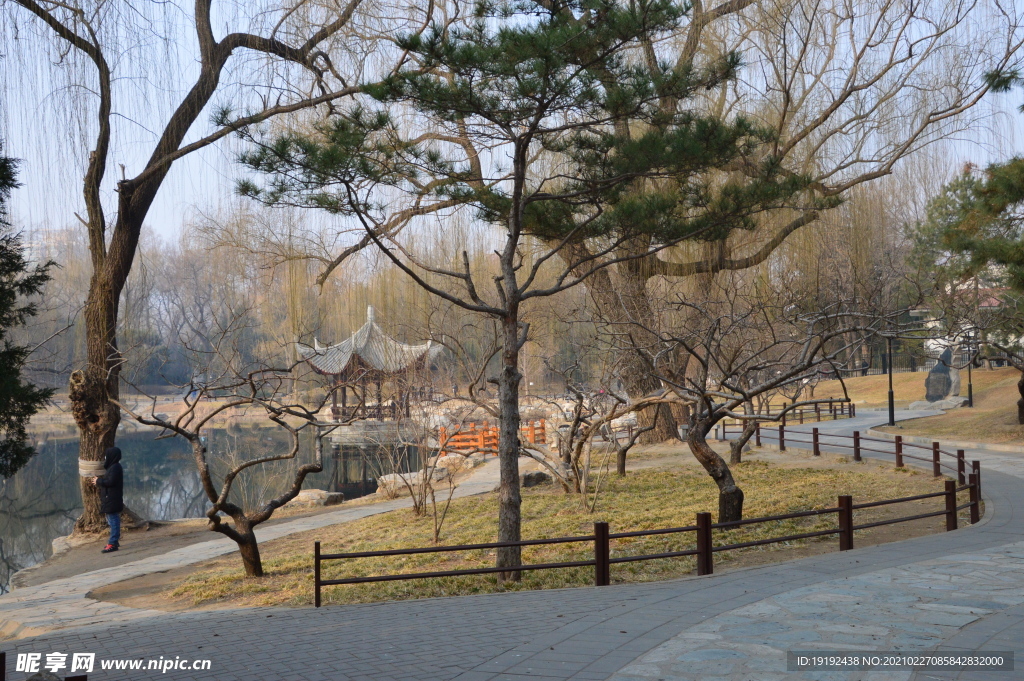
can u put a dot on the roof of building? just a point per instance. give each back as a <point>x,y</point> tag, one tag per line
<point>368,348</point>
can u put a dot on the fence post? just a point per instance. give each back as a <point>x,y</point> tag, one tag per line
<point>976,467</point>
<point>602,568</point>
<point>935,460</point>
<point>814,437</point>
<point>899,451</point>
<point>817,412</point>
<point>705,560</point>
<point>782,435</point>
<point>845,522</point>
<point>853,410</point>
<point>950,506</point>
<point>961,466</point>
<point>800,414</point>
<point>316,574</point>
<point>757,433</point>
<point>975,498</point>
<point>856,445</point>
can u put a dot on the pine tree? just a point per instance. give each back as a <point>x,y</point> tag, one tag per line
<point>19,399</point>
<point>535,118</point>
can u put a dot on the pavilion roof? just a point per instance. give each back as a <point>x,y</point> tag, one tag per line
<point>368,348</point>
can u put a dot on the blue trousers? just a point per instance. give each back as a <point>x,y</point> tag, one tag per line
<point>114,520</point>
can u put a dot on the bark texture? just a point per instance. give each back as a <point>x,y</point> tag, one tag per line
<point>1020,402</point>
<point>509,498</point>
<point>730,496</point>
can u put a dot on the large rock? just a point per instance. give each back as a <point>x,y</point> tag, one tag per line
<point>938,384</point>
<point>535,478</point>
<point>317,497</point>
<point>453,462</point>
<point>394,483</point>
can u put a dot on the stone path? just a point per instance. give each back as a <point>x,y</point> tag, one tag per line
<point>959,590</point>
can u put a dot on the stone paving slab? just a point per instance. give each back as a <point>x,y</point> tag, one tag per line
<point>921,592</point>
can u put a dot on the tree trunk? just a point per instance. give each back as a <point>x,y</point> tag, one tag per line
<point>736,446</point>
<point>1020,402</point>
<point>621,463</point>
<point>509,499</point>
<point>90,391</point>
<point>730,496</point>
<point>250,552</point>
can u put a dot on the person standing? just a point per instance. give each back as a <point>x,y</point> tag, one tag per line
<point>111,489</point>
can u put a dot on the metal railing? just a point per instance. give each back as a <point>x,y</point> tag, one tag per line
<point>703,529</point>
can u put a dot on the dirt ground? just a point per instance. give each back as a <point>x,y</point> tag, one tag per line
<point>152,591</point>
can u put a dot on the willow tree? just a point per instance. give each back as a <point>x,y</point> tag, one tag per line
<point>291,70</point>
<point>516,117</point>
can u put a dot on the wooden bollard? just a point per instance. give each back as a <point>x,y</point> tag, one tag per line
<point>899,451</point>
<point>950,506</point>
<point>975,499</point>
<point>845,522</point>
<point>705,556</point>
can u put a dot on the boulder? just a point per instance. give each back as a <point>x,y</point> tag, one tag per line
<point>535,478</point>
<point>452,462</point>
<point>317,497</point>
<point>938,384</point>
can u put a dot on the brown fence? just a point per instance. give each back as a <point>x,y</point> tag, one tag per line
<point>703,529</point>
<point>484,436</point>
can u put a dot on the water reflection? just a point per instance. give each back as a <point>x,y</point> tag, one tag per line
<point>42,501</point>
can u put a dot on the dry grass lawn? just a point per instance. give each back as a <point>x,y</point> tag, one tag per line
<point>645,499</point>
<point>993,418</point>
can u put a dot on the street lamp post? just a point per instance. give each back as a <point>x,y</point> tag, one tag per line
<point>892,400</point>
<point>970,363</point>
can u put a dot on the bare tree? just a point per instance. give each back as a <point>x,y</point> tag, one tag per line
<point>745,345</point>
<point>261,390</point>
<point>295,71</point>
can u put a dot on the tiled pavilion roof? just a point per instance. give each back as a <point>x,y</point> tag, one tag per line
<point>369,348</point>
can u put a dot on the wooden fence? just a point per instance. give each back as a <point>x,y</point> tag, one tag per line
<point>484,436</point>
<point>703,529</point>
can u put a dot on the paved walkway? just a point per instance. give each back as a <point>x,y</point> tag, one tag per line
<point>63,603</point>
<point>953,590</point>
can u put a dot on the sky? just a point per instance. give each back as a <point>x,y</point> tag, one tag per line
<point>41,123</point>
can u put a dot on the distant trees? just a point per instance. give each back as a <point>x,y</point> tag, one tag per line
<point>19,280</point>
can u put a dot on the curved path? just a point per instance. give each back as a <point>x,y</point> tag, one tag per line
<point>963,589</point>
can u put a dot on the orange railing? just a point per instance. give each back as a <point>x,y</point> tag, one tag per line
<point>484,436</point>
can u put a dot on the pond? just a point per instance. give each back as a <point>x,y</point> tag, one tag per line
<point>42,501</point>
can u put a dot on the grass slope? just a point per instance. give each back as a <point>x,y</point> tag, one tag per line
<point>645,499</point>
<point>993,418</point>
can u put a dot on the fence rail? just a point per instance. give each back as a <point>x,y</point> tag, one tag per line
<point>703,529</point>
<point>484,436</point>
